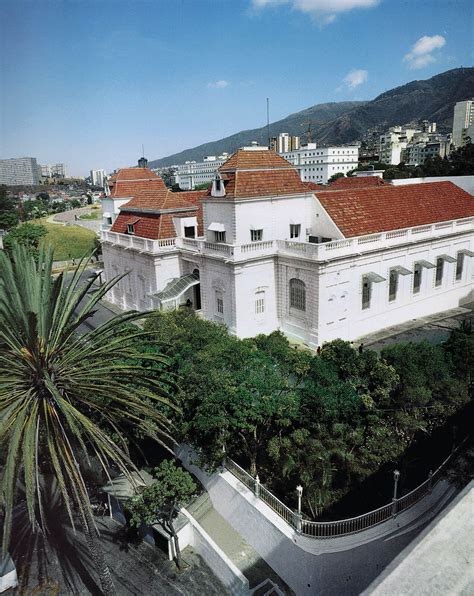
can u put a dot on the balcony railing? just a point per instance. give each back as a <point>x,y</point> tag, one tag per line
<point>138,243</point>
<point>306,250</point>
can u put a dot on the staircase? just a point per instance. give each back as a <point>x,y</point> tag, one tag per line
<point>263,581</point>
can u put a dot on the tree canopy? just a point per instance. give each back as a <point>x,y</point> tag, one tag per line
<point>327,421</point>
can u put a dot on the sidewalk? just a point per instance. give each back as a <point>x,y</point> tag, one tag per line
<point>433,328</point>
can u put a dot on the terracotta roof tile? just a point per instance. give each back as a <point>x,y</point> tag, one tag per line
<point>358,212</point>
<point>356,182</point>
<point>254,159</point>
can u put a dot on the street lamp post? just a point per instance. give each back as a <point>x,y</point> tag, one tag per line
<point>298,517</point>
<point>396,476</point>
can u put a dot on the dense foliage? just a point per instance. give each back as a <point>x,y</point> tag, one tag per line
<point>28,235</point>
<point>8,210</point>
<point>327,420</point>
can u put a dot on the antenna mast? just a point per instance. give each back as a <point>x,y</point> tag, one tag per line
<point>268,122</point>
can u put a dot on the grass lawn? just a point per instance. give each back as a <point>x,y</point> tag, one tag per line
<point>92,215</point>
<point>69,242</point>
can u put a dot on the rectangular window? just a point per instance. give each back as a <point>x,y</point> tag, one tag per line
<point>393,286</point>
<point>109,221</point>
<point>459,265</point>
<point>259,303</point>
<point>219,303</point>
<point>189,231</point>
<point>295,230</point>
<point>366,293</point>
<point>417,278</point>
<point>439,271</point>
<point>256,235</point>
<point>219,236</point>
<point>130,229</point>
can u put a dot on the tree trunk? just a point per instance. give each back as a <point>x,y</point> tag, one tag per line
<point>171,530</point>
<point>97,555</point>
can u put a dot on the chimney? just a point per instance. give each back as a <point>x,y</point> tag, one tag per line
<point>143,162</point>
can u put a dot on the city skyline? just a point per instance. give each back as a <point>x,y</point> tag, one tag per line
<point>91,82</point>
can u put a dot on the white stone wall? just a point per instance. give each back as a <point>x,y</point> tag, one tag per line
<point>298,324</point>
<point>256,280</point>
<point>146,274</point>
<point>340,306</point>
<point>216,211</point>
<point>112,207</point>
<point>217,280</point>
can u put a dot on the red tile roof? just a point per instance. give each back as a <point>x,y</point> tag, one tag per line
<point>245,159</point>
<point>358,212</point>
<point>149,194</point>
<point>128,182</point>
<point>146,226</point>
<point>259,173</point>
<point>356,182</point>
<point>314,186</point>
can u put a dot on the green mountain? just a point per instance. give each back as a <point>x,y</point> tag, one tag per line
<point>294,124</point>
<point>344,122</point>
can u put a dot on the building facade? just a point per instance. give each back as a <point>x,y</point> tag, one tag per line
<point>19,171</point>
<point>98,177</point>
<point>191,174</point>
<point>284,143</point>
<point>318,164</point>
<point>463,122</point>
<point>394,142</point>
<point>261,250</point>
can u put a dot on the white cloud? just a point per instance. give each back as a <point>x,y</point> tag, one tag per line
<point>323,10</point>
<point>355,78</point>
<point>218,84</point>
<point>421,54</point>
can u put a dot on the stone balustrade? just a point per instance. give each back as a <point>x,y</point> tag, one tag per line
<point>305,250</point>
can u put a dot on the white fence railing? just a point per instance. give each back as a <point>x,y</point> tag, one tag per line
<point>317,252</point>
<point>332,529</point>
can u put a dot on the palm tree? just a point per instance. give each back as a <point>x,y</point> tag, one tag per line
<point>65,396</point>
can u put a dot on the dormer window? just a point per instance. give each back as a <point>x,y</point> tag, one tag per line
<point>131,229</point>
<point>218,187</point>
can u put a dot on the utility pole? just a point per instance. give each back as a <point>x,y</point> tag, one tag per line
<point>309,124</point>
<point>268,121</point>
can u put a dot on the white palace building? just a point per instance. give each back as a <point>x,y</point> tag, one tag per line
<point>262,250</point>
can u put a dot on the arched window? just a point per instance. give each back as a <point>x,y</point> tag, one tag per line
<point>297,294</point>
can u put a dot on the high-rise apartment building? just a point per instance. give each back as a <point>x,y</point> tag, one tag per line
<point>58,170</point>
<point>20,170</point>
<point>284,143</point>
<point>98,177</point>
<point>463,122</point>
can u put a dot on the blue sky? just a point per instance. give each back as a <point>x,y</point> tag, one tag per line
<point>86,83</point>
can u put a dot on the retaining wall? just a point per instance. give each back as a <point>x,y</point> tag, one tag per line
<point>343,565</point>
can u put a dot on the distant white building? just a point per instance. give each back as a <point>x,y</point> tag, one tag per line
<point>318,164</point>
<point>284,143</point>
<point>192,173</point>
<point>393,143</point>
<point>463,122</point>
<point>262,251</point>
<point>98,177</point>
